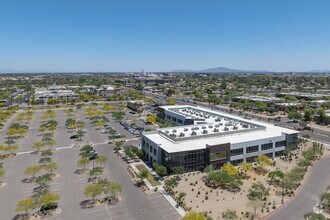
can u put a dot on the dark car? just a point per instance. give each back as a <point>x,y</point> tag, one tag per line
<point>74,136</point>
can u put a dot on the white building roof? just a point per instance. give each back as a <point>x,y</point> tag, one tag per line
<point>259,131</point>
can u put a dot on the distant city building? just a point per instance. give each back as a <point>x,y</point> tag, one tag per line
<point>206,137</point>
<point>42,95</point>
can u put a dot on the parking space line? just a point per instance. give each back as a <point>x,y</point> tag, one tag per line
<point>155,197</point>
<point>166,210</point>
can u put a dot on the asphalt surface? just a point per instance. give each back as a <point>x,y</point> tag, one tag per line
<point>308,195</point>
<point>134,205</point>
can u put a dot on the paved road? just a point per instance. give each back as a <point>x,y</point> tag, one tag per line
<point>308,196</point>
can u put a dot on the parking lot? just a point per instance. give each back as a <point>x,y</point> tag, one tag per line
<point>134,203</point>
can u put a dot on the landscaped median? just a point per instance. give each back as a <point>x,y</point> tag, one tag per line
<point>143,175</point>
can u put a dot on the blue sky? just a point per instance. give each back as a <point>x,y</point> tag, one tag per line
<point>162,35</point>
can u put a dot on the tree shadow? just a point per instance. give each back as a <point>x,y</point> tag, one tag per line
<point>28,180</point>
<point>87,204</point>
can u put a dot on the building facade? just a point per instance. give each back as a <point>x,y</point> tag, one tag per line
<point>205,137</point>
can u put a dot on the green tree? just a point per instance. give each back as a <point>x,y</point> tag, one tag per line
<point>101,159</point>
<point>294,115</point>
<point>48,198</point>
<point>32,170</point>
<point>275,177</point>
<point>209,169</point>
<point>325,200</point>
<point>51,167</point>
<point>308,114</point>
<point>143,175</point>
<point>244,167</point>
<point>229,215</point>
<point>115,188</point>
<point>83,162</point>
<point>37,146</point>
<point>25,205</point>
<point>160,170</point>
<point>262,161</point>
<point>93,190</point>
<point>170,101</point>
<point>258,191</point>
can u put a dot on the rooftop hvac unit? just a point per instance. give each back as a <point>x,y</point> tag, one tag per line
<point>204,131</point>
<point>181,134</point>
<point>216,130</point>
<point>173,131</point>
<point>193,133</point>
<point>226,129</point>
<point>216,126</point>
<point>235,127</point>
<point>203,127</point>
<point>210,126</point>
<point>186,129</point>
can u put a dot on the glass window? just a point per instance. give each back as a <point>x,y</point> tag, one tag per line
<point>236,152</point>
<point>252,149</point>
<point>218,156</point>
<point>280,144</point>
<point>267,146</point>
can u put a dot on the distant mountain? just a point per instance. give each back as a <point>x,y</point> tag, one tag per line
<point>222,70</point>
<point>319,71</point>
<point>218,70</point>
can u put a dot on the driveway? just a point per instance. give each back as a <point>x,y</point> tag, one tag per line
<point>308,196</point>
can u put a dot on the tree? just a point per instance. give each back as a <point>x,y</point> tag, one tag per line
<point>308,114</point>
<point>254,205</point>
<point>151,119</point>
<point>51,167</point>
<point>32,170</point>
<point>170,183</point>
<point>325,200</point>
<point>160,170</point>
<point>45,160</point>
<point>115,188</point>
<point>48,198</point>
<point>25,205</point>
<point>170,101</point>
<point>118,144</point>
<point>83,162</point>
<point>192,215</point>
<point>294,115</point>
<point>229,215</point>
<point>37,146</point>
<point>230,168</point>
<point>178,170</point>
<point>101,159</point>
<point>262,161</point>
<point>244,167</point>
<point>209,169</point>
<point>143,175</point>
<point>80,134</point>
<point>93,190</point>
<point>258,191</point>
<point>43,180</point>
<point>314,216</point>
<point>275,177</point>
<point>2,173</point>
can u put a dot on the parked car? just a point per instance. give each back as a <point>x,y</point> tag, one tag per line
<point>75,136</point>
